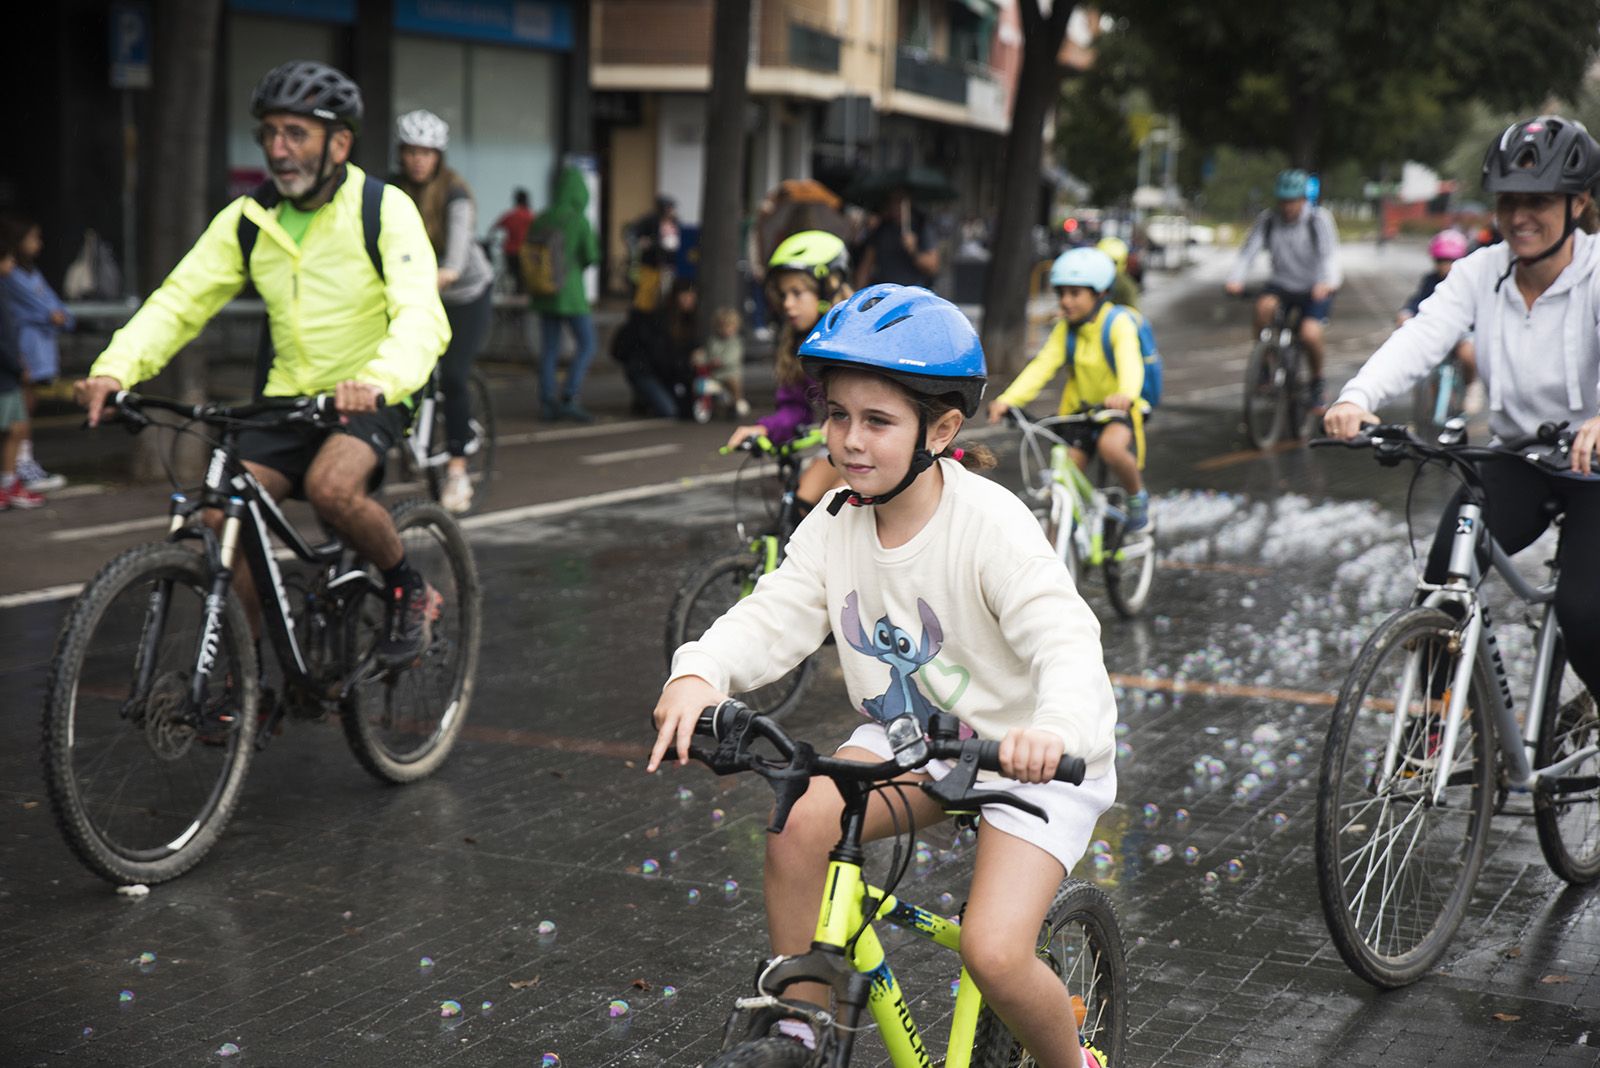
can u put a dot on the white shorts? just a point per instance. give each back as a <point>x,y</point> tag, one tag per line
<point>1073,810</point>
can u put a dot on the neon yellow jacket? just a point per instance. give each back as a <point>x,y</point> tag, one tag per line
<point>332,317</point>
<point>1093,377</point>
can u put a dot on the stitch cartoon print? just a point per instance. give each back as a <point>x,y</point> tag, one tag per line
<point>894,646</point>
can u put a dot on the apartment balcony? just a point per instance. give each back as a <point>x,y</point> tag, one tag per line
<point>915,71</point>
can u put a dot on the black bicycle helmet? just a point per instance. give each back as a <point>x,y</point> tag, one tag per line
<point>1548,154</point>
<point>306,87</point>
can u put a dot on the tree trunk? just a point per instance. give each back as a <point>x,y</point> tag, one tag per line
<point>722,203</point>
<point>176,170</point>
<point>1305,106</point>
<point>1005,294</point>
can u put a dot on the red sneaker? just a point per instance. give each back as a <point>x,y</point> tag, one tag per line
<point>19,496</point>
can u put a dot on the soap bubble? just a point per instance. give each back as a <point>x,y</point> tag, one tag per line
<point>425,962</point>
<point>1099,845</point>
<point>717,815</point>
<point>1191,854</point>
<point>694,896</point>
<point>947,902</point>
<point>550,1060</point>
<point>669,991</point>
<point>684,794</point>
<point>1151,814</point>
<point>227,1049</point>
<point>449,1008</point>
<point>1180,815</point>
<point>617,1008</point>
<point>1122,730</point>
<point>672,857</point>
<point>1210,880</point>
<point>486,1007</point>
<point>147,957</point>
<point>955,987</point>
<point>1161,853</point>
<point>1124,752</point>
<point>87,1031</point>
<point>730,887</point>
<point>651,867</point>
<point>1279,819</point>
<point>125,997</point>
<point>1234,869</point>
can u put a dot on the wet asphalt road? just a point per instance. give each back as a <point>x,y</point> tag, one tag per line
<point>299,938</point>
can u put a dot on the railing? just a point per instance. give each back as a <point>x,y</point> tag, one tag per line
<point>915,71</point>
<point>812,49</point>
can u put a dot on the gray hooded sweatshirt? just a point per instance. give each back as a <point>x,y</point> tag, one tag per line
<point>1539,364</point>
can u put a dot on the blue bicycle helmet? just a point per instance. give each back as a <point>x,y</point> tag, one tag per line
<point>1291,184</point>
<point>913,338</point>
<point>1088,267</point>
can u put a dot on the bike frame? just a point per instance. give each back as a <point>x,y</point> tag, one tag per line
<point>1073,495</point>
<point>1515,741</point>
<point>419,436</point>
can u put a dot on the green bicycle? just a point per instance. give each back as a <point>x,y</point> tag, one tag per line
<point>1086,524</point>
<point>1080,939</point>
<point>723,581</point>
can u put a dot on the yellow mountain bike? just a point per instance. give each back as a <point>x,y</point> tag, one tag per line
<point>1080,939</point>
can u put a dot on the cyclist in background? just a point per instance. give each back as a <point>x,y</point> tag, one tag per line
<point>338,326</point>
<point>1082,279</point>
<point>1124,290</point>
<point>1303,244</point>
<point>929,561</point>
<point>1446,248</point>
<point>805,277</point>
<point>466,281</point>
<point>1533,298</point>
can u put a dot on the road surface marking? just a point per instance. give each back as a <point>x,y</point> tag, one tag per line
<point>1223,689</point>
<point>535,437</point>
<point>49,593</point>
<point>154,522</point>
<point>1244,456</point>
<point>666,448</point>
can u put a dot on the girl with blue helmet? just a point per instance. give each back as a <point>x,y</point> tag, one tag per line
<point>942,595</point>
<point>1096,379</point>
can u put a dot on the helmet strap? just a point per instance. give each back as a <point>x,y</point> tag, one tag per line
<point>1529,261</point>
<point>324,176</point>
<point>921,460</point>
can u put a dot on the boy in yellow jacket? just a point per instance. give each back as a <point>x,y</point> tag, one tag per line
<point>1096,379</point>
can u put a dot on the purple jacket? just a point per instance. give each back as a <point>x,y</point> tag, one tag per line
<point>796,408</point>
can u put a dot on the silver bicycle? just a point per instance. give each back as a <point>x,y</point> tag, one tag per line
<point>425,452</point>
<point>1427,740</point>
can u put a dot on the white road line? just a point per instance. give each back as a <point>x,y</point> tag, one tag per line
<point>664,449</point>
<point>595,500</point>
<point>534,437</point>
<point>49,593</point>
<point>79,489</point>
<point>125,526</point>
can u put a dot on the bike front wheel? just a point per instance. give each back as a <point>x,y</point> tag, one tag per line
<point>141,782</point>
<point>704,598</point>
<point>1082,943</point>
<point>1567,812</point>
<point>1130,569</point>
<point>480,447</point>
<point>764,1053</point>
<point>402,723</point>
<point>1264,395</point>
<point>1395,866</point>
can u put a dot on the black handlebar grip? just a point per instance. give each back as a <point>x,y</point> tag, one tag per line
<point>1070,769</point>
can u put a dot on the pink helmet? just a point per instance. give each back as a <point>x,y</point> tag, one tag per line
<point>1448,245</point>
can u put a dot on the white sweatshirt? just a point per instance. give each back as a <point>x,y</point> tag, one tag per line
<point>975,615</point>
<point>1538,364</point>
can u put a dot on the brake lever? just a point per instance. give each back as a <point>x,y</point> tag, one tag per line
<point>956,791</point>
<point>789,783</point>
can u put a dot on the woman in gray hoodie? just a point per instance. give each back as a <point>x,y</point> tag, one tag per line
<point>1535,302</point>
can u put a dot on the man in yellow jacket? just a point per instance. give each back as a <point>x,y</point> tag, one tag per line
<point>1095,378</point>
<point>351,313</point>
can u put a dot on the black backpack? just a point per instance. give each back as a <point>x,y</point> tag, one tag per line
<point>266,194</point>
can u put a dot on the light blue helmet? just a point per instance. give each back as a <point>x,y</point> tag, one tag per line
<point>1291,184</point>
<point>1084,267</point>
<point>906,333</point>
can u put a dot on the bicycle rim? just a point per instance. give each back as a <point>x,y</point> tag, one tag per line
<point>140,787</point>
<point>1395,870</point>
<point>1567,816</point>
<point>1263,395</point>
<point>1082,944</point>
<point>705,598</point>
<point>1130,571</point>
<point>402,723</point>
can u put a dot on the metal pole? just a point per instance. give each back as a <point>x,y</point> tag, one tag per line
<point>130,197</point>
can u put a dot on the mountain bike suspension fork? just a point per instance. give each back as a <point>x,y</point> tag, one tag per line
<point>1461,569</point>
<point>216,602</point>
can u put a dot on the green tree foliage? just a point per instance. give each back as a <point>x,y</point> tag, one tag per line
<point>1093,137</point>
<point>1368,80</point>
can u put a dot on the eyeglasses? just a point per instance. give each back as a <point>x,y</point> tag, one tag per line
<point>294,136</point>
<point>1510,202</point>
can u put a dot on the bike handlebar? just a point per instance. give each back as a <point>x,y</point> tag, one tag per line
<point>319,409</point>
<point>1393,442</point>
<point>760,443</point>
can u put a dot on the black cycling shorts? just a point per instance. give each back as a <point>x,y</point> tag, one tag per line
<point>289,450</point>
<point>1085,436</point>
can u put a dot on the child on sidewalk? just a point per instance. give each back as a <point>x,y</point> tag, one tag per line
<point>13,412</point>
<point>722,358</point>
<point>38,317</point>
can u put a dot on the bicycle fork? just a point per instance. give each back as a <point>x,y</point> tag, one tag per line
<point>216,603</point>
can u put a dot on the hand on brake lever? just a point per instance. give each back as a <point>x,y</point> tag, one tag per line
<point>676,714</point>
<point>1345,420</point>
<point>1584,442</point>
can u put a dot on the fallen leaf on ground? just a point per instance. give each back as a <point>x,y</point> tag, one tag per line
<point>1514,952</point>
<point>1551,979</point>
<point>1507,1017</point>
<point>352,931</point>
<point>654,832</point>
<point>524,984</point>
<point>30,804</point>
<point>467,838</point>
<point>640,984</point>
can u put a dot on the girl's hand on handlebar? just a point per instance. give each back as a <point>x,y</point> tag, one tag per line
<point>1119,402</point>
<point>1031,754</point>
<point>1345,420</point>
<point>1584,442</point>
<point>997,410</point>
<point>676,714</point>
<point>742,432</point>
